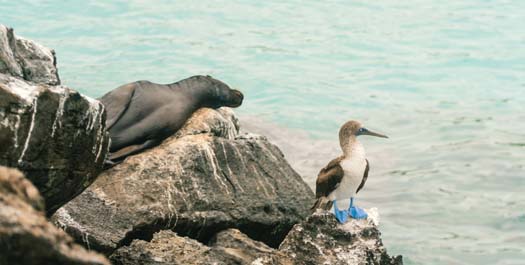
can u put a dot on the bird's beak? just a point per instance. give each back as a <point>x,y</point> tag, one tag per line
<point>368,132</point>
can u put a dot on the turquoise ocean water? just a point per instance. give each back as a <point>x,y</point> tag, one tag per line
<point>444,79</point>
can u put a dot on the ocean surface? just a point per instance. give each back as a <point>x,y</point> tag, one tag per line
<point>444,79</point>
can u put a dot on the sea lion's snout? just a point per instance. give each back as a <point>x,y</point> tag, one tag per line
<point>236,98</point>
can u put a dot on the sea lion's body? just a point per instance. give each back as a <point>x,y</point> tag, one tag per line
<point>142,114</point>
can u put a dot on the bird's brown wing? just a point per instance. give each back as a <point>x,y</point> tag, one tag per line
<point>329,178</point>
<point>365,176</point>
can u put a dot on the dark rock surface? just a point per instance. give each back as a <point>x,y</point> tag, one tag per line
<point>203,180</point>
<point>55,135</point>
<point>26,237</point>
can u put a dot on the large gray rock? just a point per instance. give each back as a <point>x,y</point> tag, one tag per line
<point>26,237</point>
<point>55,135</point>
<point>204,179</point>
<point>26,59</point>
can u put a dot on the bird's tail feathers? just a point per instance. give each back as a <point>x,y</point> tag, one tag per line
<point>322,203</point>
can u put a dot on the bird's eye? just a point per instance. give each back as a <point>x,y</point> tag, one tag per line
<point>361,130</point>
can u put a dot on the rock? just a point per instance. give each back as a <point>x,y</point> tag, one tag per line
<point>320,239</point>
<point>166,247</point>
<point>26,59</point>
<point>55,135</point>
<point>26,237</point>
<point>243,250</point>
<point>18,191</point>
<point>201,181</point>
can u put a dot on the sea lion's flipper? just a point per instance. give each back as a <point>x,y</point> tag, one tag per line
<point>117,102</point>
<point>132,149</point>
<point>109,163</point>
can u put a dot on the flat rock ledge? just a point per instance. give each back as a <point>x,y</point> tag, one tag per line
<point>53,134</point>
<point>26,237</point>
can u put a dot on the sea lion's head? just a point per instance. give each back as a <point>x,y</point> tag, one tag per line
<point>223,95</point>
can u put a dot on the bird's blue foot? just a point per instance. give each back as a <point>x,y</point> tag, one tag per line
<point>341,216</point>
<point>357,213</point>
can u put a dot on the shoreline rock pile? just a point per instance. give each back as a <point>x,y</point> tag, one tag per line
<point>206,195</point>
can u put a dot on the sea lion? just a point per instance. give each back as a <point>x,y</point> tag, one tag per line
<point>140,115</point>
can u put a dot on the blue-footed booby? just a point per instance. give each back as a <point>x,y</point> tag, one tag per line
<point>346,175</point>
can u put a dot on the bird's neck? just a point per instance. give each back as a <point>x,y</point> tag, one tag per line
<point>352,148</point>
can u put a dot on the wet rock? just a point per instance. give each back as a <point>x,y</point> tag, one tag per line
<point>26,59</point>
<point>203,180</point>
<point>26,237</point>
<point>320,239</point>
<point>55,135</point>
